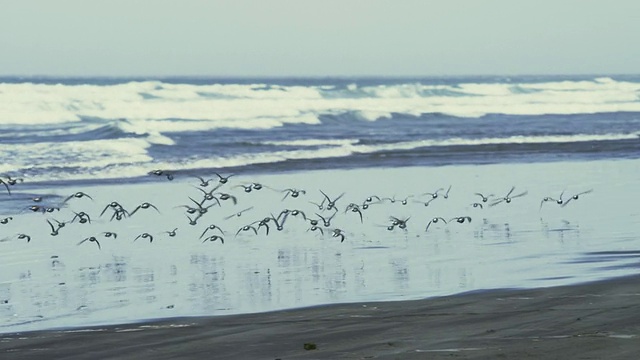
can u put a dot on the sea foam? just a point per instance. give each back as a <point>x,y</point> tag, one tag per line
<point>244,106</point>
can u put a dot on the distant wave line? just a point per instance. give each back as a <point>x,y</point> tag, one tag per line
<point>149,104</point>
<point>354,143</point>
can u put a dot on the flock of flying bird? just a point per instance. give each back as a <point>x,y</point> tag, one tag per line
<point>213,192</point>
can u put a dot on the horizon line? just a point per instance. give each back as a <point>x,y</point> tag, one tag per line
<point>209,76</point>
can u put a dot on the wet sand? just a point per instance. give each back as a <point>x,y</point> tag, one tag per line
<point>590,321</point>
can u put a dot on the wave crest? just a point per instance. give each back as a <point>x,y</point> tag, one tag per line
<point>153,104</point>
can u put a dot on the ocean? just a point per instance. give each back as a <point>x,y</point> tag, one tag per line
<point>99,129</point>
<point>388,151</point>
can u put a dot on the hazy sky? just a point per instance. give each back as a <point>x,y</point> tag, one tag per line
<point>318,38</point>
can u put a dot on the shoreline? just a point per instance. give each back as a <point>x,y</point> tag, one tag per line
<point>592,320</point>
<point>292,167</point>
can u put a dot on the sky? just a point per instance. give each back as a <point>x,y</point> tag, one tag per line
<point>297,38</point>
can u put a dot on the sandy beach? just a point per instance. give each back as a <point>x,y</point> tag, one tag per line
<point>591,321</point>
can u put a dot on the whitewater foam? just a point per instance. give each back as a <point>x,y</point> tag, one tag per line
<point>265,106</point>
<point>81,159</point>
<point>127,158</point>
<point>118,130</point>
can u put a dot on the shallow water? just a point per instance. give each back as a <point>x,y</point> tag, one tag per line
<point>53,282</point>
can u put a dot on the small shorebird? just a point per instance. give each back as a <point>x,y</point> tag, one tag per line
<point>43,209</point>
<point>461,219</point>
<point>119,214</point>
<point>91,239</point>
<point>55,229</point>
<point>338,233</point>
<point>326,221</point>
<point>507,198</point>
<point>294,193</point>
<point>194,221</point>
<point>435,220</point>
<point>315,228</point>
<point>109,234</point>
<point>223,179</point>
<point>37,208</point>
<point>319,206</point>
<point>393,199</point>
<point>117,208</point>
<point>434,194</point>
<point>82,217</point>
<point>77,195</point>
<point>24,236</point>
<point>212,227</point>
<point>11,181</point>
<point>208,195</point>
<point>144,236</point>
<point>425,203</point>
<point>294,213</point>
<point>370,198</point>
<point>144,206</point>
<point>446,194</point>
<point>402,224</point>
<point>5,185</point>
<point>213,238</point>
<point>331,204</point>
<point>477,205</point>
<point>225,197</point>
<point>313,222</point>
<point>546,199</point>
<point>247,228</point>
<point>190,210</point>
<point>365,204</point>
<point>355,208</point>
<point>246,188</point>
<point>203,183</point>
<point>263,223</point>
<point>280,223</point>
<point>201,209</point>
<point>484,198</point>
<point>575,197</point>
<point>239,213</point>
<point>168,174</point>
<point>6,220</point>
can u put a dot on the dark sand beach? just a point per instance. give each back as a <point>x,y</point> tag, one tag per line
<point>599,320</point>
